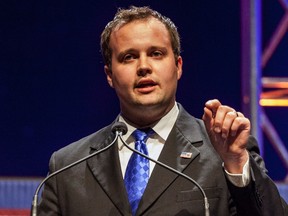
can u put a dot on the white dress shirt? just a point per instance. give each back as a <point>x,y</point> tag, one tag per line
<point>155,144</point>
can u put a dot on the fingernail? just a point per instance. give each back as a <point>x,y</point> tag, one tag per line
<point>217,129</point>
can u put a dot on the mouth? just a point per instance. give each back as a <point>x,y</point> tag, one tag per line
<point>145,86</point>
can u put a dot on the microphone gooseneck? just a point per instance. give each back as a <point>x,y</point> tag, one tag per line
<point>206,203</point>
<point>118,128</point>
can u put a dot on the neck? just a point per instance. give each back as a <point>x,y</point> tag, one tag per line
<point>145,117</point>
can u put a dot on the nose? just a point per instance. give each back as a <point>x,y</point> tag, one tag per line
<point>143,66</point>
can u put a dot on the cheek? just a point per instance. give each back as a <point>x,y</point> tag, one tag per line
<point>171,81</point>
<point>122,80</point>
<point>170,77</point>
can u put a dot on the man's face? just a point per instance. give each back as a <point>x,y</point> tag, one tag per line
<point>143,70</point>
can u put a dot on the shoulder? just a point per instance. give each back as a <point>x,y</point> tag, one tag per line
<point>81,147</point>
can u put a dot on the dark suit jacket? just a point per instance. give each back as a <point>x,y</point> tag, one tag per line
<point>95,187</point>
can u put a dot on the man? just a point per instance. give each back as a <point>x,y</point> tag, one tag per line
<point>141,50</point>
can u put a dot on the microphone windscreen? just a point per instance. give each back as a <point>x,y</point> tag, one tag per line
<point>120,127</point>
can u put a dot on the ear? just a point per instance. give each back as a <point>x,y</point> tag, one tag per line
<point>179,67</point>
<point>108,72</point>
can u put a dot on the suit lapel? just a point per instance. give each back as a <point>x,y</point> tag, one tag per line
<point>181,139</point>
<point>107,171</point>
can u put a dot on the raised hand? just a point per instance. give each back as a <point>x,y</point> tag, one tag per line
<point>228,131</point>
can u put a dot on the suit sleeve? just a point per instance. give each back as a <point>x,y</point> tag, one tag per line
<point>260,196</point>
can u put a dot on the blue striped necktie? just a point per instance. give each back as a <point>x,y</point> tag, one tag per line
<point>137,171</point>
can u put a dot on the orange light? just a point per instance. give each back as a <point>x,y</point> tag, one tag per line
<point>274,102</point>
<point>280,85</point>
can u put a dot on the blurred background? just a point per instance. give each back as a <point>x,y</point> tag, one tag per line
<point>53,89</point>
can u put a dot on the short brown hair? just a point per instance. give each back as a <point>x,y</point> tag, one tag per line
<point>124,16</point>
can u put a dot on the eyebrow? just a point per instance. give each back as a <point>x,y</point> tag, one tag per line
<point>132,50</point>
<point>163,49</point>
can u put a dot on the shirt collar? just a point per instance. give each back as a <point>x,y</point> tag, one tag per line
<point>166,123</point>
<point>162,128</point>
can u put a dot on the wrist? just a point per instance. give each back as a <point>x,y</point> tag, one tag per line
<point>234,164</point>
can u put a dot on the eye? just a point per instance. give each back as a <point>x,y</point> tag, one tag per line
<point>157,53</point>
<point>128,57</point>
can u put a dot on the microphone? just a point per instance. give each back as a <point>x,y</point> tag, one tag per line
<point>118,128</point>
<point>206,203</point>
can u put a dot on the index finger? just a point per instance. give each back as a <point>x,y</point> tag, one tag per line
<point>213,106</point>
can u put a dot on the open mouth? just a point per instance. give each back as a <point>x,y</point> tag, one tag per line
<point>146,86</point>
<point>145,83</point>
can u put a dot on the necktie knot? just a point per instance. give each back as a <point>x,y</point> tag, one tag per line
<point>142,135</point>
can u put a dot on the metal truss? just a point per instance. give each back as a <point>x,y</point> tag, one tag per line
<point>257,91</point>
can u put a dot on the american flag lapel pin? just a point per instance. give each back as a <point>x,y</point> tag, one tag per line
<point>186,155</point>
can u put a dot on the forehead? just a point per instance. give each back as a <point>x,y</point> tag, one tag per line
<point>140,30</point>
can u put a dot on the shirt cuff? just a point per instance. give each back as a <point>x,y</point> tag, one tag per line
<point>240,180</point>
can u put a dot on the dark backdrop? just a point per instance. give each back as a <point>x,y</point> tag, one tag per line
<point>53,89</point>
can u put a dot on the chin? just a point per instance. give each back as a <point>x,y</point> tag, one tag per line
<point>149,103</point>
<point>154,106</point>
